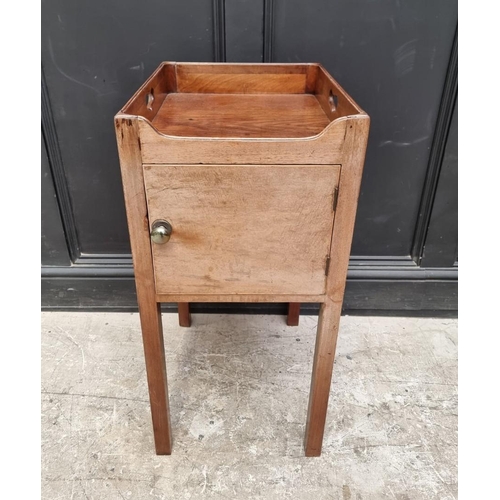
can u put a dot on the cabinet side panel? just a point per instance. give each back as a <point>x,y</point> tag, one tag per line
<point>349,187</point>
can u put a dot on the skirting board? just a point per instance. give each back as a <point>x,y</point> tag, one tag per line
<point>379,297</point>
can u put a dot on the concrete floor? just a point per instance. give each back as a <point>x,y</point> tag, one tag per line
<point>238,391</point>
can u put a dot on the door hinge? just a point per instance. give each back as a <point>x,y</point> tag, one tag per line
<point>327,266</point>
<point>335,198</point>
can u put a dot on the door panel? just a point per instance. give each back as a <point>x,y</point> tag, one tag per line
<point>246,229</point>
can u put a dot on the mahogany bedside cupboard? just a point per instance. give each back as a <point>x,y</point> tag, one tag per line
<point>241,184</point>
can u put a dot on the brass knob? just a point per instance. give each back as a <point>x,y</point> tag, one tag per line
<point>161,231</point>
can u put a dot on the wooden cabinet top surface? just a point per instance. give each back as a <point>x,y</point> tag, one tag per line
<point>241,101</point>
<point>240,115</point>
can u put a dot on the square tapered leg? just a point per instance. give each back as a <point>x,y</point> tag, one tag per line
<point>292,318</point>
<point>324,355</point>
<point>184,314</point>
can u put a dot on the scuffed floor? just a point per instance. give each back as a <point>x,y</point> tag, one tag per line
<point>238,392</point>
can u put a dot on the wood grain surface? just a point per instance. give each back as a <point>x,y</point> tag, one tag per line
<point>238,297</point>
<point>149,310</point>
<point>240,115</point>
<point>293,315</point>
<point>335,102</point>
<point>242,229</point>
<point>324,355</point>
<point>329,317</point>
<point>184,314</point>
<point>242,78</point>
<point>323,149</point>
<point>159,84</point>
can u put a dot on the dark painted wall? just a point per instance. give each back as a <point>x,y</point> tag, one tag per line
<point>392,57</point>
<point>54,247</point>
<point>95,55</point>
<point>441,242</point>
<point>396,58</point>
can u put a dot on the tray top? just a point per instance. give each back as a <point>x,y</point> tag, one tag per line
<point>240,101</point>
<point>240,115</point>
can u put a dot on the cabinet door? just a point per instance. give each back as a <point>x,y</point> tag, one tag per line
<point>246,229</point>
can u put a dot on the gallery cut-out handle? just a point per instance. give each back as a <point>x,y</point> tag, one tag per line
<point>333,101</point>
<point>150,98</point>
